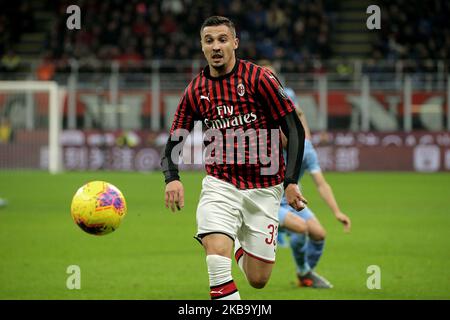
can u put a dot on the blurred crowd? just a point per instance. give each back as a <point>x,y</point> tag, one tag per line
<point>137,30</point>
<point>298,32</point>
<point>414,30</point>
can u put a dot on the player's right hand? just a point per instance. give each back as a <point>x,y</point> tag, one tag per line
<point>342,218</point>
<point>174,195</point>
<point>294,197</point>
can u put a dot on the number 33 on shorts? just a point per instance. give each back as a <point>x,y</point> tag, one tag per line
<point>273,233</point>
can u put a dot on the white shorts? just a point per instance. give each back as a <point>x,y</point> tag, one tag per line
<point>251,215</point>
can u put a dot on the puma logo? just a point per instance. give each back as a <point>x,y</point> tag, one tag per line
<point>205,97</point>
<point>217,292</point>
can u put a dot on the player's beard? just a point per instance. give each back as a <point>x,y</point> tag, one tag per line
<point>219,67</point>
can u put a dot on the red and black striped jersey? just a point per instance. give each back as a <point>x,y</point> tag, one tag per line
<point>249,100</point>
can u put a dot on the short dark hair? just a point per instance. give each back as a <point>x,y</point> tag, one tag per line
<point>218,21</point>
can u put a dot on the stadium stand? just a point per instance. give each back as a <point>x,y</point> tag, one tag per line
<point>132,32</point>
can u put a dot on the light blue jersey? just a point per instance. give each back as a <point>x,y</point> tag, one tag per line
<point>311,164</point>
<point>291,94</point>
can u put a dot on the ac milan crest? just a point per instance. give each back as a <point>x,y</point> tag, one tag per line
<point>240,89</point>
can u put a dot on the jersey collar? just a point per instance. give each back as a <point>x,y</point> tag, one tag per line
<point>208,75</point>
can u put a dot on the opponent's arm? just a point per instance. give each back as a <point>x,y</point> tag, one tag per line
<point>293,129</point>
<point>326,193</point>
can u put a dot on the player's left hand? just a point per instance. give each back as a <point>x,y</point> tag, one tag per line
<point>342,218</point>
<point>174,195</point>
<point>294,197</point>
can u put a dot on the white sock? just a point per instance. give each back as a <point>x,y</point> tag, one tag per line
<point>220,281</point>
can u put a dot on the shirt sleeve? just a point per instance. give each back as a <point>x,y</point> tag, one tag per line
<point>270,88</point>
<point>184,116</point>
<point>184,119</point>
<point>295,133</point>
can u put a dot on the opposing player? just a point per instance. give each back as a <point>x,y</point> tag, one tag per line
<point>237,101</point>
<point>306,233</point>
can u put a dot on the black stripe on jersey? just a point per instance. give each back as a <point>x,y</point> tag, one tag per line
<point>231,84</point>
<point>203,90</point>
<point>252,77</point>
<point>254,170</point>
<point>224,86</point>
<point>255,74</point>
<point>213,97</point>
<point>257,78</point>
<point>242,74</point>
<point>249,83</point>
<point>192,98</point>
<point>276,78</point>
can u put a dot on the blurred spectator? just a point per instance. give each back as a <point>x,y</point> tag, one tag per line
<point>173,6</point>
<point>46,69</point>
<point>130,58</point>
<point>10,62</point>
<point>6,131</point>
<point>128,139</point>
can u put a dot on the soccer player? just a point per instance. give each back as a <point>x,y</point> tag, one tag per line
<point>239,201</point>
<point>307,235</point>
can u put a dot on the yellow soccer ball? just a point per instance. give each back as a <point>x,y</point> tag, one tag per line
<point>98,207</point>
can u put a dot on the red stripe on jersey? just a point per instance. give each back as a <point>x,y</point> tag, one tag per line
<point>222,290</point>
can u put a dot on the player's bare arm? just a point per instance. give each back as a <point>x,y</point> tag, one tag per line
<point>293,129</point>
<point>326,192</point>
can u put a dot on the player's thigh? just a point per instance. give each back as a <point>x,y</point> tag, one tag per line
<point>259,229</point>
<point>217,209</point>
<point>315,229</point>
<point>258,272</point>
<point>217,243</point>
<point>294,223</point>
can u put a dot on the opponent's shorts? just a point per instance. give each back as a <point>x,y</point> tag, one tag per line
<point>251,215</point>
<point>305,214</point>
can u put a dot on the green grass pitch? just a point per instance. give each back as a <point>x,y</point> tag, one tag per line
<point>401,223</point>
